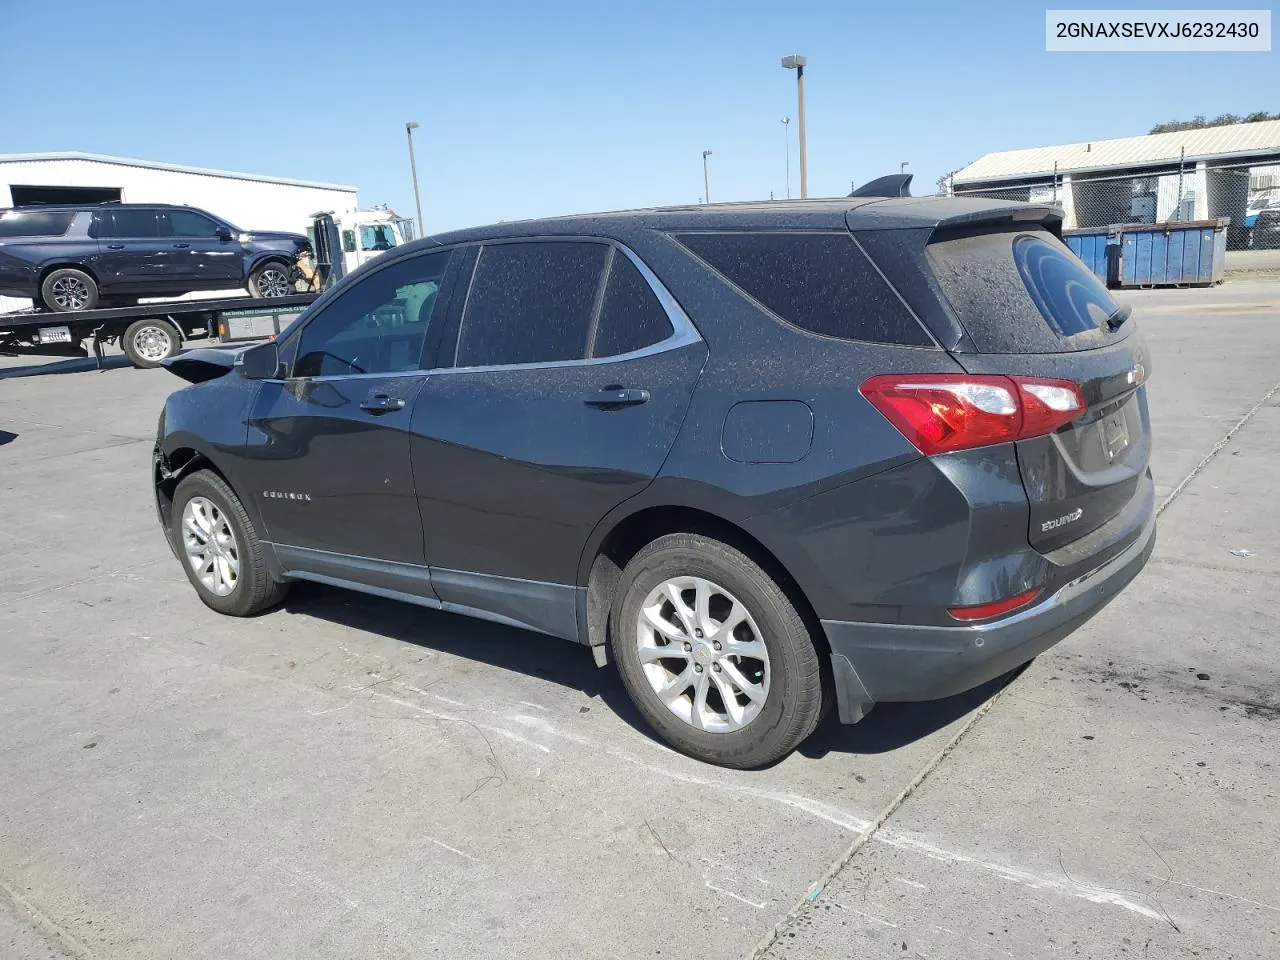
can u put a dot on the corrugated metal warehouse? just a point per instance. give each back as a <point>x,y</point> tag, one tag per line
<point>248,200</point>
<point>1228,171</point>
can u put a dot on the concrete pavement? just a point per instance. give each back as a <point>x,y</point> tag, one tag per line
<point>353,777</point>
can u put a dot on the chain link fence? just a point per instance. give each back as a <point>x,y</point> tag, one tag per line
<point>1248,195</point>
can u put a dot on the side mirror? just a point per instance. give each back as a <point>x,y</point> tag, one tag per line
<point>261,362</point>
<point>348,241</point>
<point>223,233</point>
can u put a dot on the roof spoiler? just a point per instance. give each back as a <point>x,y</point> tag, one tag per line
<point>894,185</point>
<point>1048,216</point>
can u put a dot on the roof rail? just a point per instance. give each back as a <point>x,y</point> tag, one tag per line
<point>893,185</point>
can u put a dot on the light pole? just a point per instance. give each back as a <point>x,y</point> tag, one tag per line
<point>413,168</point>
<point>706,178</point>
<point>797,63</point>
<point>902,167</point>
<point>786,137</point>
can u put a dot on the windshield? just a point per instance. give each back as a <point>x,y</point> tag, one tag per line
<point>377,236</point>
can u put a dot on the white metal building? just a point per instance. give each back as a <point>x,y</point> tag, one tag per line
<point>1228,171</point>
<point>248,200</point>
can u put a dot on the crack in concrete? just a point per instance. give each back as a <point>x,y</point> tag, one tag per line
<point>1217,449</point>
<point>47,924</point>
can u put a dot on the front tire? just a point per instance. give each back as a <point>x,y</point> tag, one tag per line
<point>219,548</point>
<point>148,343</point>
<point>67,290</point>
<point>714,654</point>
<point>271,279</point>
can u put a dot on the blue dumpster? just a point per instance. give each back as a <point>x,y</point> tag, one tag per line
<point>1173,254</point>
<point>1096,246</point>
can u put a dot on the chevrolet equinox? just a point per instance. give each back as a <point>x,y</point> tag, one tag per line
<point>766,458</point>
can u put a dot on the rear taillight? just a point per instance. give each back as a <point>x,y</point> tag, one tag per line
<point>939,413</point>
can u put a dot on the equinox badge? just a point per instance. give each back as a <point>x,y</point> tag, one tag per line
<point>1062,521</point>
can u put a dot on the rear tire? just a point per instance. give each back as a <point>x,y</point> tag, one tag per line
<point>778,660</point>
<point>148,343</point>
<point>219,548</point>
<point>271,279</point>
<point>66,290</point>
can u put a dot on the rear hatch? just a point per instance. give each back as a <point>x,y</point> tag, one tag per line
<point>1030,307</point>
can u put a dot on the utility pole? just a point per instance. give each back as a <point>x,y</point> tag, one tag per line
<point>413,168</point>
<point>797,63</point>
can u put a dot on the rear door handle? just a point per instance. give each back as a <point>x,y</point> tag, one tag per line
<point>181,246</point>
<point>115,246</point>
<point>617,397</point>
<point>381,403</point>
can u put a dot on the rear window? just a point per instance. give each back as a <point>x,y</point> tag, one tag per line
<point>821,282</point>
<point>34,223</point>
<point>1022,292</point>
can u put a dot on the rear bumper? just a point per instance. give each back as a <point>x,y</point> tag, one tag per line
<point>881,662</point>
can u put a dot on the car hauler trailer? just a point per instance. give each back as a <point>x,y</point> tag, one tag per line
<point>150,333</point>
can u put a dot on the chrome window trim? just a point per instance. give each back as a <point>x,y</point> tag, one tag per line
<point>683,334</point>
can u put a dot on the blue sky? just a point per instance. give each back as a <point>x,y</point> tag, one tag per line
<point>530,109</point>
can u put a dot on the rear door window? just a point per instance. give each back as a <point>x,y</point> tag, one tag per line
<point>1022,291</point>
<point>822,282</point>
<point>531,302</point>
<point>34,223</point>
<point>135,224</point>
<point>631,318</point>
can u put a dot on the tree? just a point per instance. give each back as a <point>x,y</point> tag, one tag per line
<point>1223,120</point>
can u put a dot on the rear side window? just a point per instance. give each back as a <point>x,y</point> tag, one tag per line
<point>1021,292</point>
<point>821,282</point>
<point>531,303</point>
<point>128,223</point>
<point>34,223</point>
<point>631,318</point>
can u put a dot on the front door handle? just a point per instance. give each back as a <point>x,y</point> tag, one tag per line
<point>381,403</point>
<point>115,246</point>
<point>615,396</point>
<point>181,246</point>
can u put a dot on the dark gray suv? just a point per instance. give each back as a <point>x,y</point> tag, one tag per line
<point>767,458</point>
<point>78,258</point>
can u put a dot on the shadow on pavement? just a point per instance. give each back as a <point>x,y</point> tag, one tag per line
<point>70,365</point>
<point>7,437</point>
<point>886,728</point>
<point>509,648</point>
<point>892,725</point>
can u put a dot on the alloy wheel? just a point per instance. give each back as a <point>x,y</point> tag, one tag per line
<point>273,282</point>
<point>210,546</point>
<point>70,293</point>
<point>703,654</point>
